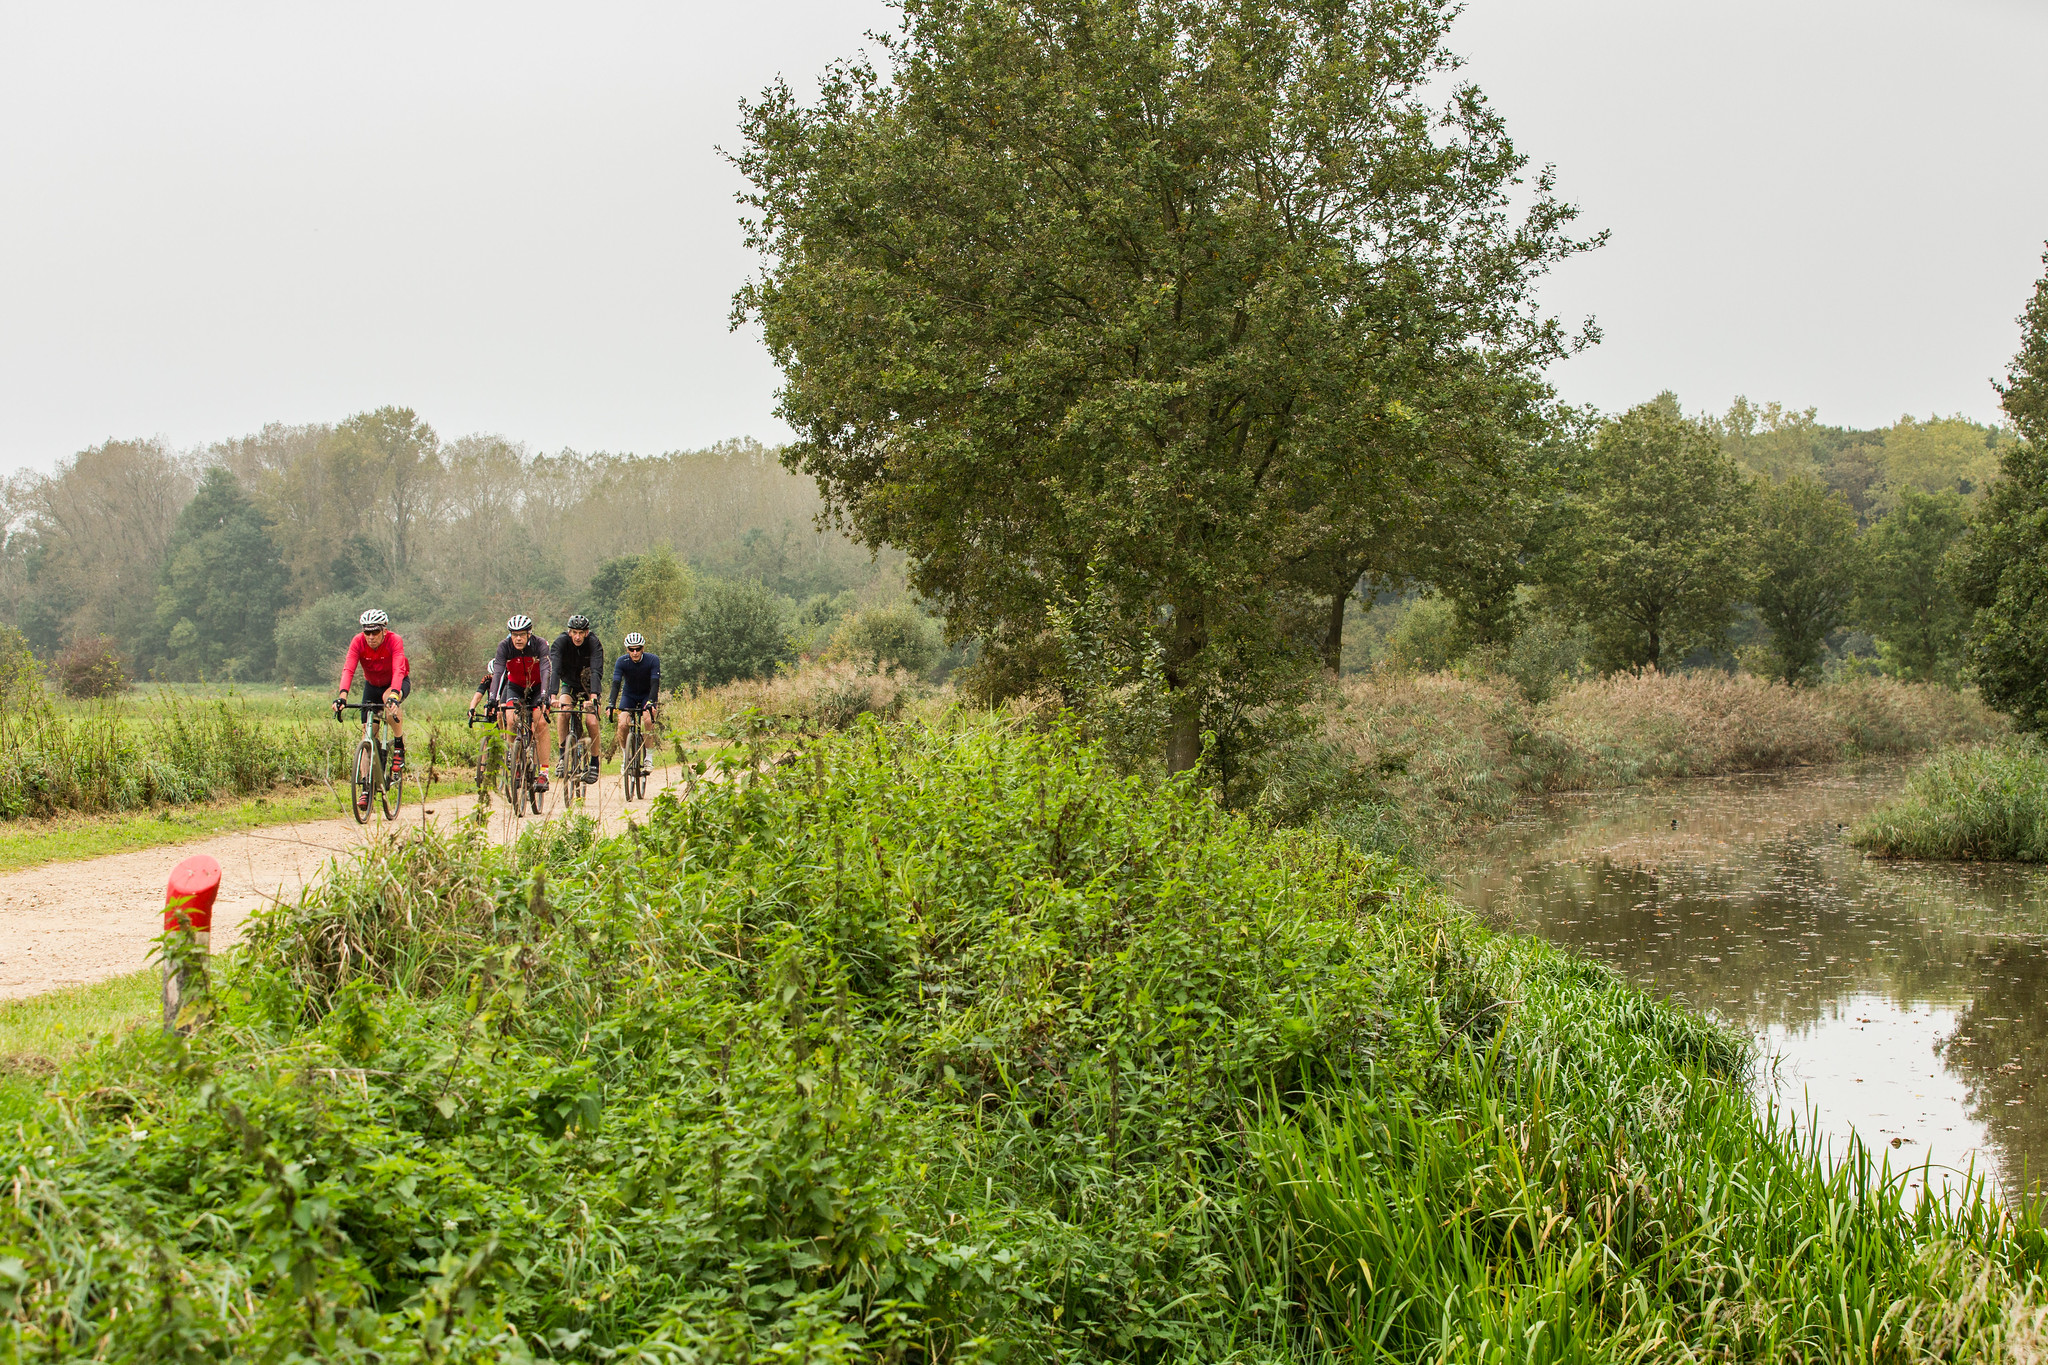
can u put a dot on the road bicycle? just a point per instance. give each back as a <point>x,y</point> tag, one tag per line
<point>633,754</point>
<point>576,752</point>
<point>370,776</point>
<point>522,763</point>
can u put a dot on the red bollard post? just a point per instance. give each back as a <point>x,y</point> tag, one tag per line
<point>188,908</point>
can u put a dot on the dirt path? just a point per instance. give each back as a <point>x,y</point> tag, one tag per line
<point>68,924</point>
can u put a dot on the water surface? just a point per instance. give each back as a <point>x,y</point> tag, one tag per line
<point>1905,1001</point>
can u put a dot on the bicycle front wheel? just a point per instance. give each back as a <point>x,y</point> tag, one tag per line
<point>629,767</point>
<point>393,794</point>
<point>516,777</point>
<point>362,781</point>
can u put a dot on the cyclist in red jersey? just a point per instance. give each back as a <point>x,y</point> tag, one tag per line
<point>381,653</point>
<point>523,672</point>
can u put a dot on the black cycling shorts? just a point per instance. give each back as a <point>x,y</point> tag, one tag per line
<point>528,696</point>
<point>374,692</point>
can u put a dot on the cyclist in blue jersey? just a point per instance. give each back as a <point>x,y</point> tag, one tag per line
<point>637,674</point>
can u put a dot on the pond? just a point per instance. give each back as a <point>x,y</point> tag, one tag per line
<point>1905,1001</point>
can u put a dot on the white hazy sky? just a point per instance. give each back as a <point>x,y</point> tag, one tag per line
<point>512,218</point>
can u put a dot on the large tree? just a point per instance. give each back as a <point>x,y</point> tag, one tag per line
<point>1661,553</point>
<point>2002,565</point>
<point>1809,567</point>
<point>1181,289</point>
<point>223,583</point>
<point>1908,600</point>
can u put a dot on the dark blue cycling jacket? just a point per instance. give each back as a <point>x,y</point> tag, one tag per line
<point>642,681</point>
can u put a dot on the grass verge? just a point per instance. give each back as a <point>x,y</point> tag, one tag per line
<point>40,1034</point>
<point>947,1043</point>
<point>1985,803</point>
<point>33,843</point>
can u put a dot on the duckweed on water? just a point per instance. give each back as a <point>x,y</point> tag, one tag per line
<point>948,1044</point>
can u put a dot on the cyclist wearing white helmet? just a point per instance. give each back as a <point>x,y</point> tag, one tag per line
<point>523,675</point>
<point>638,672</point>
<point>381,652</point>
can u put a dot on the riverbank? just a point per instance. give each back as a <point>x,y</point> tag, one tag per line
<point>1447,755</point>
<point>947,1042</point>
<point>1985,803</point>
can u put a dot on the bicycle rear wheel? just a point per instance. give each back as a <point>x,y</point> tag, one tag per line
<point>362,780</point>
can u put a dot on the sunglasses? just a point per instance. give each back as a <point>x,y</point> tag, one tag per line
<point>373,631</point>
<point>632,649</point>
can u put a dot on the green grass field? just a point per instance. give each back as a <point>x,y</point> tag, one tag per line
<point>40,1034</point>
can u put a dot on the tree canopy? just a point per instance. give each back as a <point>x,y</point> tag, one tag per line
<point>1199,292</point>
<point>2002,566</point>
<point>1809,567</point>
<point>1660,553</point>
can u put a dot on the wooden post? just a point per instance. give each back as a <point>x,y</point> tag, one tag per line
<point>188,909</point>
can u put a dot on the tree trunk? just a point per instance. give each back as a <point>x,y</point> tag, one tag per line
<point>1184,740</point>
<point>1333,632</point>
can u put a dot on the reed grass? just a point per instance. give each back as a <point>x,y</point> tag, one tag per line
<point>1983,803</point>
<point>947,1043</point>
<point>1454,752</point>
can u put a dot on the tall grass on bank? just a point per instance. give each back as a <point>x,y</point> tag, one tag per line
<point>1987,803</point>
<point>1450,752</point>
<point>947,1043</point>
<point>174,748</point>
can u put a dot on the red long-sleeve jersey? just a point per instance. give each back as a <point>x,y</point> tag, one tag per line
<point>384,666</point>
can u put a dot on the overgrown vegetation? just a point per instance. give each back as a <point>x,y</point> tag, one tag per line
<point>1987,802</point>
<point>1408,762</point>
<point>171,747</point>
<point>948,1043</point>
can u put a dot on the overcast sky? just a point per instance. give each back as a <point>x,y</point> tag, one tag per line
<point>512,216</point>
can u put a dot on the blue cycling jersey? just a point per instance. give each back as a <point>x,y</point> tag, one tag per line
<point>641,679</point>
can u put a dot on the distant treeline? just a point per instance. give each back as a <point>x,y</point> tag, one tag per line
<point>196,564</point>
<point>1870,469</point>
<point>1657,539</point>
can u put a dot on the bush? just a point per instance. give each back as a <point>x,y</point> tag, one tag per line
<point>21,677</point>
<point>91,667</point>
<point>1985,803</point>
<point>947,1045</point>
<point>451,653</point>
<point>888,637</point>
<point>731,631</point>
<point>1426,639</point>
<point>311,643</point>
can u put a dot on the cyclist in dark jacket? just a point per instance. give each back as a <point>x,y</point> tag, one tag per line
<point>523,673</point>
<point>638,672</point>
<point>579,676</point>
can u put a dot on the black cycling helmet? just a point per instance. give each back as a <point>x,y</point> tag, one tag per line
<point>579,622</point>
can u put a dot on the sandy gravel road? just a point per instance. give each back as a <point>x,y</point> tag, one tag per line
<point>71,923</point>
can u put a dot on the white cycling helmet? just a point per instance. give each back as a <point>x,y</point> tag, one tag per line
<point>519,623</point>
<point>635,640</point>
<point>373,617</point>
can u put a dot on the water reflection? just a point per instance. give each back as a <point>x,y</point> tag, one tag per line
<point>1909,1001</point>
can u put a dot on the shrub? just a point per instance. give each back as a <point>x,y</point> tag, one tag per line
<point>1426,639</point>
<point>729,632</point>
<point>888,637</point>
<point>91,667</point>
<point>451,654</point>
<point>311,643</point>
<point>21,677</point>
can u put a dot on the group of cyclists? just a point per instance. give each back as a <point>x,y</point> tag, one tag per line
<point>525,676</point>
